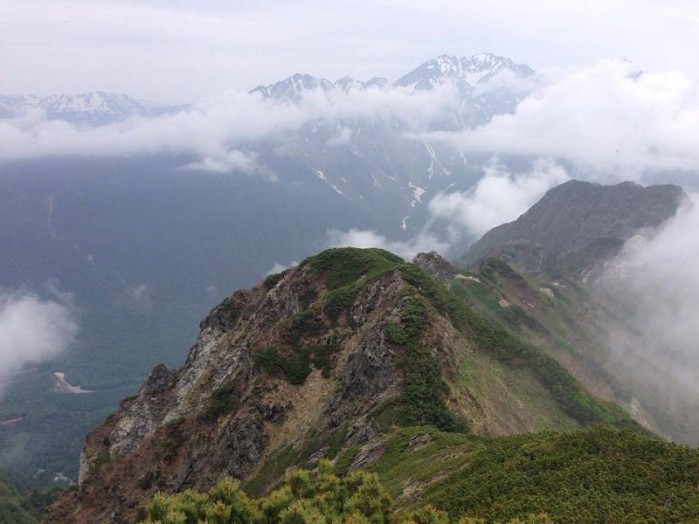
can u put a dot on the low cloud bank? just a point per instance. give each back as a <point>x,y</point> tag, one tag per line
<point>219,129</point>
<point>611,118</point>
<point>500,196</point>
<point>656,278</point>
<point>32,330</point>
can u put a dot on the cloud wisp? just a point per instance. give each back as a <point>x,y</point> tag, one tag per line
<point>501,195</point>
<point>32,330</point>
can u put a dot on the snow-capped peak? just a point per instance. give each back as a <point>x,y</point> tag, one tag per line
<point>91,108</point>
<point>466,71</point>
<point>291,88</point>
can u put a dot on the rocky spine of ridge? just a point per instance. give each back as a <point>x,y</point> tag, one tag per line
<point>326,356</point>
<point>577,225</point>
<point>180,431</point>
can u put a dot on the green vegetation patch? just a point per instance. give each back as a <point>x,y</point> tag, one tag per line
<point>294,363</point>
<point>295,367</point>
<point>27,507</point>
<point>493,332</point>
<point>486,300</point>
<point>301,325</point>
<point>514,352</point>
<point>493,267</point>
<point>223,400</point>
<point>344,266</point>
<point>276,465</point>
<point>271,280</point>
<point>596,475</point>
<point>304,496</point>
<point>422,397</point>
<point>347,272</point>
<point>340,300</point>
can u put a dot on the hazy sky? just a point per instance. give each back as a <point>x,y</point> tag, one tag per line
<point>172,50</point>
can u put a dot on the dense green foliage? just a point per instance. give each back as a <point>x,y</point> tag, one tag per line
<point>302,497</point>
<point>422,397</point>
<point>271,280</point>
<point>27,508</point>
<point>295,367</point>
<point>293,358</point>
<point>320,496</point>
<point>344,266</point>
<point>223,400</point>
<point>598,475</point>
<point>492,267</point>
<point>347,270</point>
<point>514,352</point>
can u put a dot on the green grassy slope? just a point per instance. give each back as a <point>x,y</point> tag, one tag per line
<point>596,475</point>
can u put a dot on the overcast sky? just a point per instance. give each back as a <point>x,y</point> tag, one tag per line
<point>178,51</point>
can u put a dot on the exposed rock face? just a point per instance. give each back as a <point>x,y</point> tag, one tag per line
<point>436,267</point>
<point>576,225</point>
<point>163,438</point>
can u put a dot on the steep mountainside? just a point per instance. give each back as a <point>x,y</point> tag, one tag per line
<point>325,359</point>
<point>562,249</point>
<point>571,321</point>
<point>577,224</point>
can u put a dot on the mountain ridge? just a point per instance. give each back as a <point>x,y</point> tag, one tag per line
<point>576,225</point>
<point>329,355</point>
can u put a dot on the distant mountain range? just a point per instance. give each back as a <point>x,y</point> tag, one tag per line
<point>368,161</point>
<point>94,108</point>
<point>100,108</point>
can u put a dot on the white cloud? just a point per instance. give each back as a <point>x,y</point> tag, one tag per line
<point>32,330</point>
<point>500,196</point>
<point>656,279</point>
<point>217,129</point>
<point>609,120</point>
<point>226,162</point>
<point>608,117</point>
<point>342,138</point>
<point>279,268</point>
<point>421,243</point>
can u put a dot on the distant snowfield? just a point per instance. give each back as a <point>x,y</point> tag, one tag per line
<point>60,385</point>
